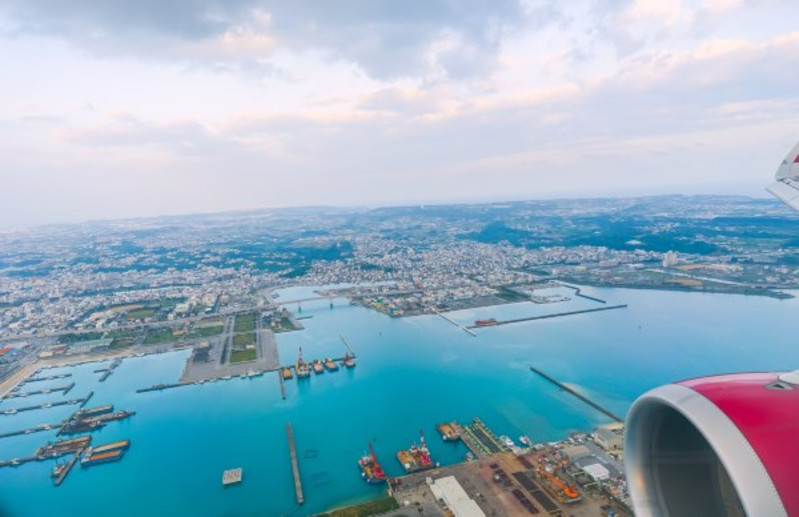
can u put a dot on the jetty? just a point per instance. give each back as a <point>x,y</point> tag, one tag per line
<point>578,292</point>
<point>48,378</point>
<point>465,329</point>
<point>576,394</point>
<point>546,316</point>
<point>44,391</point>
<point>46,405</point>
<point>37,429</point>
<point>282,385</point>
<point>294,465</point>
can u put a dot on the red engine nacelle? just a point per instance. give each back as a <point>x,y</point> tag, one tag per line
<point>725,445</point>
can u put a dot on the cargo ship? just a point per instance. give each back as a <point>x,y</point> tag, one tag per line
<point>330,365</point>
<point>416,458</point>
<point>317,367</point>
<point>286,373</point>
<point>301,368</point>
<point>95,411</point>
<point>485,323</point>
<point>371,471</point>
<point>120,445</point>
<point>104,457</point>
<point>447,432</point>
<point>349,361</point>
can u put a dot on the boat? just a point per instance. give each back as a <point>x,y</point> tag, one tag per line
<point>301,368</point>
<point>99,410</point>
<point>58,470</point>
<point>371,471</point>
<point>286,373</point>
<point>525,441</point>
<point>330,365</point>
<point>448,433</point>
<point>416,458</point>
<point>317,367</point>
<point>349,360</point>
<point>485,323</point>
<point>105,457</point>
<point>114,446</point>
<point>507,441</point>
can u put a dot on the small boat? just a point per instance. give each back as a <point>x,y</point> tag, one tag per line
<point>525,441</point>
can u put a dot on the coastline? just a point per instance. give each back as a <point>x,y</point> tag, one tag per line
<point>714,289</point>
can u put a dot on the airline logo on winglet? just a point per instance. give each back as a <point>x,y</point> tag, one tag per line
<point>796,160</point>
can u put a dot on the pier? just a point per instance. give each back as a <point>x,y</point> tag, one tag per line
<point>282,385</point>
<point>49,378</point>
<point>47,405</point>
<point>546,316</point>
<point>71,463</point>
<point>578,292</point>
<point>578,395</point>
<point>294,465</point>
<point>108,371</point>
<point>465,329</point>
<point>37,429</point>
<point>17,394</point>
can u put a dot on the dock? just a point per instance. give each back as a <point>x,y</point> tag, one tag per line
<point>108,371</point>
<point>294,465</point>
<point>47,405</point>
<point>37,429</point>
<point>48,378</point>
<point>479,439</point>
<point>465,329</point>
<point>282,385</point>
<point>63,474</point>
<point>578,395</point>
<point>556,315</point>
<point>44,391</point>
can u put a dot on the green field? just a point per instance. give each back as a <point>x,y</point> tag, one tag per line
<point>140,314</point>
<point>206,331</point>
<point>120,338</point>
<point>158,336</point>
<point>365,509</point>
<point>242,340</point>
<point>76,338</point>
<point>239,356</point>
<point>245,322</point>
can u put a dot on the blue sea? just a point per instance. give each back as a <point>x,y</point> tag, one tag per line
<point>411,374</point>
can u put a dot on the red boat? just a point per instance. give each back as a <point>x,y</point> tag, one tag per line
<point>485,323</point>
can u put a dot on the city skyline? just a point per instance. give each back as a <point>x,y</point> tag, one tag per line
<point>156,109</point>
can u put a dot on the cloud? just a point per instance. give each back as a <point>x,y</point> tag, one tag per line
<point>386,39</point>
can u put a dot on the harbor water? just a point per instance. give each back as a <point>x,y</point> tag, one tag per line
<point>411,373</point>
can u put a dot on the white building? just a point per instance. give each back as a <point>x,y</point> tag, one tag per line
<point>670,259</point>
<point>455,497</point>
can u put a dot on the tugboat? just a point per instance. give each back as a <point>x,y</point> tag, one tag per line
<point>301,368</point>
<point>330,365</point>
<point>317,367</point>
<point>371,471</point>
<point>286,373</point>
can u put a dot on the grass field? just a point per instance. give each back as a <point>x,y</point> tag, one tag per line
<point>242,340</point>
<point>140,314</point>
<point>206,331</point>
<point>245,322</point>
<point>120,338</point>
<point>365,509</point>
<point>239,356</point>
<point>158,336</point>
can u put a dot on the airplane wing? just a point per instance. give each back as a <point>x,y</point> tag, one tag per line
<point>786,188</point>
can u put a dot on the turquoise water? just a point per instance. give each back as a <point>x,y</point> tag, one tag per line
<point>411,374</point>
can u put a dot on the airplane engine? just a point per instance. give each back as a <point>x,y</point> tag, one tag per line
<point>725,445</point>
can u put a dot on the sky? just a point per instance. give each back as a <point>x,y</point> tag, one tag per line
<point>113,109</point>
